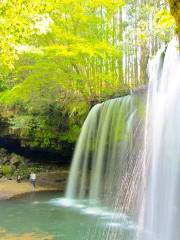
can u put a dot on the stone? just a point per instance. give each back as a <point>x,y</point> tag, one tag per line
<point>16,160</point>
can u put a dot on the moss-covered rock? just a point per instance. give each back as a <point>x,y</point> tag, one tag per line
<point>16,160</point>
<point>10,163</point>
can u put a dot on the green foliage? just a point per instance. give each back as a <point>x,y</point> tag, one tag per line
<point>17,24</point>
<point>7,170</point>
<point>58,58</point>
<point>62,59</point>
<point>164,24</point>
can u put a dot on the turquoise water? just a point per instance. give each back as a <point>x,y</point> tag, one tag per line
<point>46,213</point>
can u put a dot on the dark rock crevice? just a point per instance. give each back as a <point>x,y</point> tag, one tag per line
<point>41,156</point>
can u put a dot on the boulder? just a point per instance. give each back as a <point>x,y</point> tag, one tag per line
<point>16,160</point>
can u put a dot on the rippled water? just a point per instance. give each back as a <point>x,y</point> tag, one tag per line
<point>46,213</point>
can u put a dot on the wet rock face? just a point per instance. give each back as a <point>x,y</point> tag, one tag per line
<point>175,10</point>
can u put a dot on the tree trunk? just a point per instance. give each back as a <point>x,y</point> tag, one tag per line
<point>175,10</point>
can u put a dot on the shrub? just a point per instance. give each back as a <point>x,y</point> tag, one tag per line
<point>7,170</point>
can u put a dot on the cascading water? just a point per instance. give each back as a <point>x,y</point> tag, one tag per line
<point>109,168</point>
<point>105,152</point>
<point>161,212</point>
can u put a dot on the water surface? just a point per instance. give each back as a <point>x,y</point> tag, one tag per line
<point>46,213</point>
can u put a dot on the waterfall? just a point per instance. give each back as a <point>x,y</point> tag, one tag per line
<point>106,151</point>
<point>111,166</point>
<point>160,214</point>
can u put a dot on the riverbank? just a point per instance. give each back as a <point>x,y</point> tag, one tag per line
<point>48,181</point>
<point>28,236</point>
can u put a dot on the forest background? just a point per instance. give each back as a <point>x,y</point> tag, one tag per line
<point>60,57</point>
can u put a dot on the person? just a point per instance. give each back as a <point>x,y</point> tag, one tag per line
<point>18,179</point>
<point>33,179</point>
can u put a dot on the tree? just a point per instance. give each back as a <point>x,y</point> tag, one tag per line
<point>175,10</point>
<point>58,58</point>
